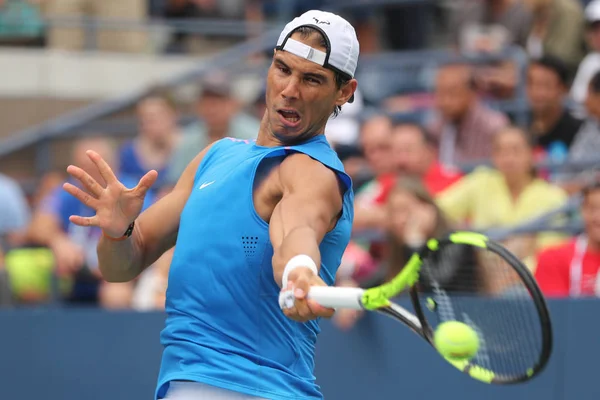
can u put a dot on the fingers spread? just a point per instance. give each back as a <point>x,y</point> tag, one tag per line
<point>104,169</point>
<point>80,195</point>
<point>86,180</point>
<point>145,183</point>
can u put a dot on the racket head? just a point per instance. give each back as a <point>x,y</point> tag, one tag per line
<point>468,278</point>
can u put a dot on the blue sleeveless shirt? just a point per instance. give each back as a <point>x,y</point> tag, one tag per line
<point>224,326</point>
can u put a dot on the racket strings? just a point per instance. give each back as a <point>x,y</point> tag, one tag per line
<point>480,288</point>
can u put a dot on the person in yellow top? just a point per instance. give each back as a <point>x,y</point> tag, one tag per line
<point>506,195</point>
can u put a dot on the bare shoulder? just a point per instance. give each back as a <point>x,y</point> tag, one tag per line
<point>315,185</point>
<point>301,171</point>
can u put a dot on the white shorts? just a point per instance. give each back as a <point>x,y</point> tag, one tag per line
<point>179,390</point>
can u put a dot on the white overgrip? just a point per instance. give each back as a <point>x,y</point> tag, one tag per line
<point>327,296</point>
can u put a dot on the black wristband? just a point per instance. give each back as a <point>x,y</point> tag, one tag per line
<point>126,235</point>
<point>129,230</point>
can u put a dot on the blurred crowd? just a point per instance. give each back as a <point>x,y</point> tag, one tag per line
<point>423,164</point>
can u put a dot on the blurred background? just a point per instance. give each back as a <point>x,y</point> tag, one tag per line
<point>470,114</point>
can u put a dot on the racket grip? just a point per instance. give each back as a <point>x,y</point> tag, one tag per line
<point>327,296</point>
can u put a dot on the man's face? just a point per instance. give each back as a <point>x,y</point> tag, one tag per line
<point>511,154</point>
<point>216,111</point>
<point>301,95</point>
<point>544,89</point>
<point>410,153</point>
<point>453,95</point>
<point>375,141</point>
<point>156,119</point>
<point>590,212</point>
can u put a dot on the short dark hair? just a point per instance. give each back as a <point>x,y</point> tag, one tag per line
<point>160,92</point>
<point>554,64</point>
<point>595,83</point>
<point>340,79</point>
<point>427,137</point>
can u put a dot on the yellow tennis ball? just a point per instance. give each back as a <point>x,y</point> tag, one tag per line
<point>456,341</point>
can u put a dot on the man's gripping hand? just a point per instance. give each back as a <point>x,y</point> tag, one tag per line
<point>294,297</point>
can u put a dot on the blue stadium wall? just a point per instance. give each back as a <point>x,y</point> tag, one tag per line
<point>98,355</point>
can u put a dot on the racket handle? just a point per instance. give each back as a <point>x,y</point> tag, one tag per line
<point>327,296</point>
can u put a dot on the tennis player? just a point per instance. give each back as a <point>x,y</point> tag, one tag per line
<point>247,219</point>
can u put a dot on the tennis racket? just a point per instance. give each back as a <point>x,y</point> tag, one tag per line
<point>469,278</point>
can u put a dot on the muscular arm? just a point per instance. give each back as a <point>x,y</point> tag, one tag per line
<point>155,232</point>
<point>310,206</point>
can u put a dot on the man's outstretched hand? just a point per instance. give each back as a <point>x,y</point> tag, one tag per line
<point>116,206</point>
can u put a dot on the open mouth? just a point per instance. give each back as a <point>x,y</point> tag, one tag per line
<point>290,116</point>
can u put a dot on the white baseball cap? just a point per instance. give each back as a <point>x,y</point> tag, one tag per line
<point>592,11</point>
<point>342,50</point>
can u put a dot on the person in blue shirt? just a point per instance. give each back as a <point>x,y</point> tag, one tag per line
<point>244,217</point>
<point>74,247</point>
<point>155,144</point>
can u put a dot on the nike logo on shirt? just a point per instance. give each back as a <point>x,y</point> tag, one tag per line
<point>205,184</point>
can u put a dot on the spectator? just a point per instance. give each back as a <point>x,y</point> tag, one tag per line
<point>489,27</point>
<point>74,248</point>
<point>465,128</point>
<point>412,217</point>
<point>591,63</point>
<point>586,144</point>
<point>361,256</point>
<point>73,38</point>
<point>219,115</point>
<point>571,269</point>
<point>547,85</point>
<point>506,195</point>
<point>156,142</point>
<point>375,141</point>
<point>14,217</point>
<point>577,172</point>
<point>14,213</point>
<point>414,154</point>
<point>558,30</point>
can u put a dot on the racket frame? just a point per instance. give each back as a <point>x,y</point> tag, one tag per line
<point>530,284</point>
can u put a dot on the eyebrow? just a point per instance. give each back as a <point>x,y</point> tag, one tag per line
<point>314,75</point>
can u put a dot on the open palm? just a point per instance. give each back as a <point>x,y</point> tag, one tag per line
<point>116,206</point>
